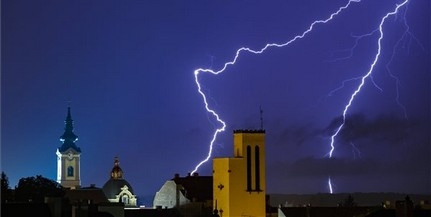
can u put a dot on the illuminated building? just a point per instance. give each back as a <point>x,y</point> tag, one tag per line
<point>239,182</point>
<point>191,195</point>
<point>117,189</point>
<point>68,157</point>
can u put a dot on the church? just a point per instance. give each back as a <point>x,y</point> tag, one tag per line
<point>116,189</point>
<point>68,157</point>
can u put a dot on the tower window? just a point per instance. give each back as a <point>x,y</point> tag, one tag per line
<point>248,168</point>
<point>70,171</point>
<point>257,167</point>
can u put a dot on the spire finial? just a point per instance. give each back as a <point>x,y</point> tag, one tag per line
<point>69,116</point>
<point>69,121</point>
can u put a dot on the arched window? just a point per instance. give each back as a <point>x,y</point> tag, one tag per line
<point>70,171</point>
<point>125,199</point>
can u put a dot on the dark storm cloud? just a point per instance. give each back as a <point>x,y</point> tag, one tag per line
<point>401,143</point>
<point>311,167</point>
<point>389,129</point>
<point>297,135</point>
<point>382,129</point>
<point>321,167</point>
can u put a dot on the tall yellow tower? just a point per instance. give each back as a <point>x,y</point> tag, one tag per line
<point>239,182</point>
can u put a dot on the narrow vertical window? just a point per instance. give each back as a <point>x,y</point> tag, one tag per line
<point>70,171</point>
<point>248,168</point>
<point>257,167</point>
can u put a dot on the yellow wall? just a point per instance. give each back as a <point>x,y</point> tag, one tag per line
<point>230,178</point>
<point>221,185</point>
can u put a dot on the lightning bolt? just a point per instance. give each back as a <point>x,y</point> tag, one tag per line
<point>350,50</point>
<point>355,150</point>
<point>408,36</point>
<point>330,185</point>
<point>232,62</point>
<point>367,75</point>
<point>364,78</point>
<point>357,39</point>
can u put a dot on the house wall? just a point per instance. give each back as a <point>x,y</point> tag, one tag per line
<point>169,196</point>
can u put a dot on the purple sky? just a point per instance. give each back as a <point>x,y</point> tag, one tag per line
<point>127,68</point>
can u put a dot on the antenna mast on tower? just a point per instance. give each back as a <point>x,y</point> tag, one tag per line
<point>261,117</point>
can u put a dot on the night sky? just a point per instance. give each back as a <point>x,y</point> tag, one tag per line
<point>126,68</point>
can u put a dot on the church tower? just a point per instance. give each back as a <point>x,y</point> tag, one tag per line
<point>239,182</point>
<point>68,157</point>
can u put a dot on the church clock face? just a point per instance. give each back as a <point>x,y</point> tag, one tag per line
<point>70,156</point>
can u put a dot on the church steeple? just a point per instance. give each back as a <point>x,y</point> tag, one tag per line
<point>69,156</point>
<point>69,138</point>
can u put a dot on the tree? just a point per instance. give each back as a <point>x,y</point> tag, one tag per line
<point>6,192</point>
<point>349,202</point>
<point>35,189</point>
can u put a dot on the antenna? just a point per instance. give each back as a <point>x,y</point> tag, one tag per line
<point>261,117</point>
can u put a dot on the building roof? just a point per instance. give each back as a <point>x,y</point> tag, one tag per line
<point>349,211</point>
<point>195,187</point>
<point>68,138</point>
<point>25,209</point>
<point>151,213</point>
<point>93,194</point>
<point>249,131</point>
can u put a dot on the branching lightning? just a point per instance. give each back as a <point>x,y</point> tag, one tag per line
<point>357,39</point>
<point>350,50</point>
<point>355,150</point>
<point>367,76</point>
<point>238,52</point>
<point>364,78</point>
<point>408,36</point>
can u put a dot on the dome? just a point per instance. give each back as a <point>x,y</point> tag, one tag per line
<point>115,185</point>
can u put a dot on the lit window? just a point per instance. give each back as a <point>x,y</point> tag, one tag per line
<point>125,199</point>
